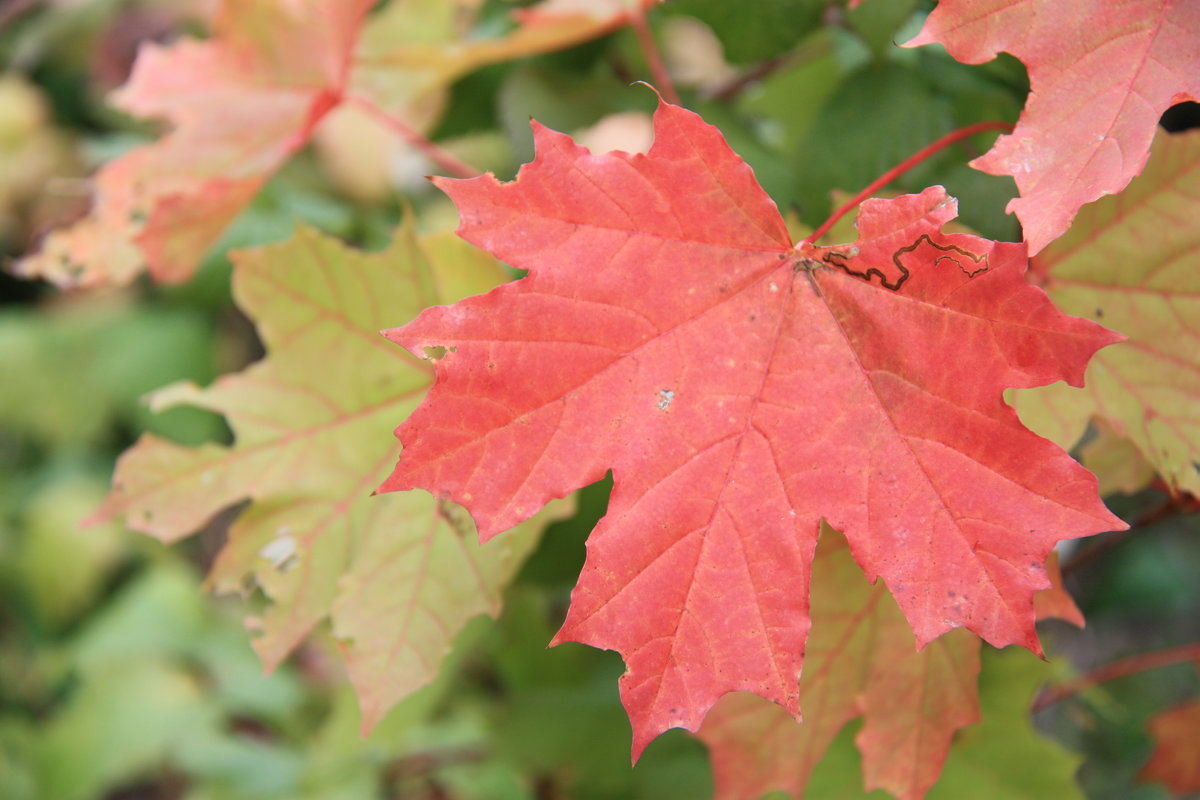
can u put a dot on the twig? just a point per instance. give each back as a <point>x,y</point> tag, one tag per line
<point>1086,555</point>
<point>901,168</point>
<point>809,51</point>
<point>733,88</point>
<point>1116,669</point>
<point>443,158</point>
<point>1172,506</point>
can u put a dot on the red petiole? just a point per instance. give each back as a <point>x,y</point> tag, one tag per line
<point>898,170</point>
<point>1117,669</point>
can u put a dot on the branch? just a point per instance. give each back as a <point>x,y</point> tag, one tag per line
<point>1117,669</point>
<point>729,92</point>
<point>420,763</point>
<point>1171,507</point>
<point>810,50</point>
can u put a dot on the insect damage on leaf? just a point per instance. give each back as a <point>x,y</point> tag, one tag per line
<point>796,395</point>
<point>923,251</point>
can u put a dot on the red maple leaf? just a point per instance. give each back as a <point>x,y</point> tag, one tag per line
<point>1100,76</point>
<point>741,389</point>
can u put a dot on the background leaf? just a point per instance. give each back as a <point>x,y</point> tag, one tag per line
<point>1127,264</point>
<point>310,423</point>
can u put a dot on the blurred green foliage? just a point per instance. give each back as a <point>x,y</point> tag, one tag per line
<point>121,678</point>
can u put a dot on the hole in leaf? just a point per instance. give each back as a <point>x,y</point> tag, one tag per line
<point>1181,117</point>
<point>281,551</point>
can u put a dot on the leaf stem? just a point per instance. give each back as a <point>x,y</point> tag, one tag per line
<point>658,70</point>
<point>443,158</point>
<point>1116,669</point>
<point>905,166</point>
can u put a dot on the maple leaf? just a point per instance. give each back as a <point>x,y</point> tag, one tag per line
<point>996,759</point>
<point>240,104</point>
<point>1176,759</point>
<point>1132,263</point>
<point>245,101</point>
<point>399,576</point>
<point>1100,76</point>
<point>741,390</point>
<point>860,660</point>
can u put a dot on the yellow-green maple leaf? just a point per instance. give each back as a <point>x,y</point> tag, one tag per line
<point>1132,263</point>
<point>398,575</point>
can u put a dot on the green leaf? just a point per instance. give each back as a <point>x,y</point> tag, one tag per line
<point>876,118</point>
<point>120,723</point>
<point>1005,758</point>
<point>755,31</point>
<point>63,569</point>
<point>879,23</point>
<point>117,354</point>
<point>1001,758</point>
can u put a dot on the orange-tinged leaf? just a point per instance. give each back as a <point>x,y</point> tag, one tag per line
<point>1175,762</point>
<point>861,661</point>
<point>238,105</point>
<point>1132,262</point>
<point>1056,602</point>
<point>1100,76</point>
<point>741,389</point>
<point>398,575</point>
<point>409,56</point>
